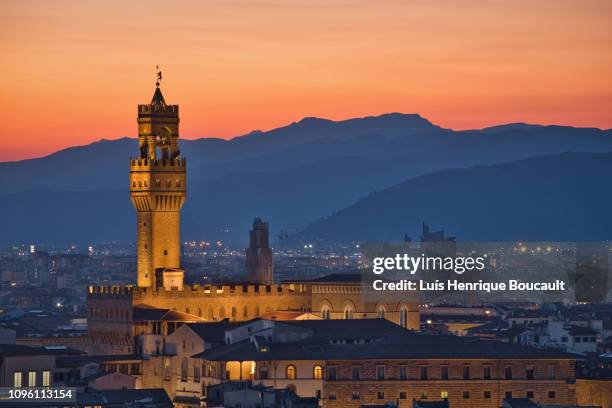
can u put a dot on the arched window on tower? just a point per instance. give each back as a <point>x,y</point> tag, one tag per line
<point>317,372</point>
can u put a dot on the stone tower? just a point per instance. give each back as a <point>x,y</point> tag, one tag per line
<point>259,262</point>
<point>157,186</point>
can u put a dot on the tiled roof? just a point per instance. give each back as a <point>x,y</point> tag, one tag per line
<point>370,339</point>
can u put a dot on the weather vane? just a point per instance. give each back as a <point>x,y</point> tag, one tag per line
<point>159,76</point>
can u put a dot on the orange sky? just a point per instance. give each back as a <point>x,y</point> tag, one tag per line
<point>73,72</point>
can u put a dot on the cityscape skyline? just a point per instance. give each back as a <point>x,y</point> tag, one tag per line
<point>270,64</point>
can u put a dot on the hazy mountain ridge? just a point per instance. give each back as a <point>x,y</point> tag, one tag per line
<point>563,197</point>
<point>290,175</point>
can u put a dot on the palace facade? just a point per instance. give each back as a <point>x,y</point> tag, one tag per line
<point>158,178</point>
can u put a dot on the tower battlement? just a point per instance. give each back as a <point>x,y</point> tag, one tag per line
<point>116,291</point>
<point>153,109</point>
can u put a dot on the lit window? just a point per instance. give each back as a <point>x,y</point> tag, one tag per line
<point>46,378</point>
<point>18,379</point>
<point>317,372</point>
<point>31,378</point>
<point>444,394</point>
<point>291,372</point>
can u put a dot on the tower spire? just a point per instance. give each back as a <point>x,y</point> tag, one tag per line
<point>159,76</point>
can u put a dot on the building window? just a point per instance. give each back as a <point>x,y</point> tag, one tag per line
<point>466,395</point>
<point>317,372</point>
<point>380,372</point>
<point>402,395</point>
<point>31,378</point>
<point>486,373</point>
<point>551,394</point>
<point>381,313</point>
<point>165,252</point>
<point>508,373</point>
<point>291,372</point>
<point>487,394</point>
<point>551,372</point>
<point>380,395</point>
<point>424,395</point>
<point>331,373</point>
<point>167,370</point>
<point>46,378</point>
<point>348,312</point>
<point>18,379</point>
<point>403,375</point>
<point>466,373</point>
<point>530,394</point>
<point>356,395</point>
<point>331,396</point>
<point>529,373</point>
<point>508,394</point>
<point>444,394</point>
<point>423,373</point>
<point>325,312</point>
<point>196,373</point>
<point>403,317</point>
<point>356,373</point>
<point>184,369</point>
<point>444,373</point>
<point>263,373</point>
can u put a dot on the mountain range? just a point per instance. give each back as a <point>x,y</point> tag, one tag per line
<point>318,178</point>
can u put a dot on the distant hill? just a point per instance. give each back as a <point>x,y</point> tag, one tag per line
<point>291,176</point>
<point>564,197</point>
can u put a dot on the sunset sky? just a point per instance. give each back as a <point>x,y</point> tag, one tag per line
<point>72,72</point>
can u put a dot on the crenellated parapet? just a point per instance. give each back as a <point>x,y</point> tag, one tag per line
<point>150,109</point>
<point>114,291</point>
<point>190,291</point>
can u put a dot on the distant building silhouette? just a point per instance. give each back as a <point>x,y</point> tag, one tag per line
<point>259,262</point>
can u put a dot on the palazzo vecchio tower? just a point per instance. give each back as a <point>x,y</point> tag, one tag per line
<point>157,187</point>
